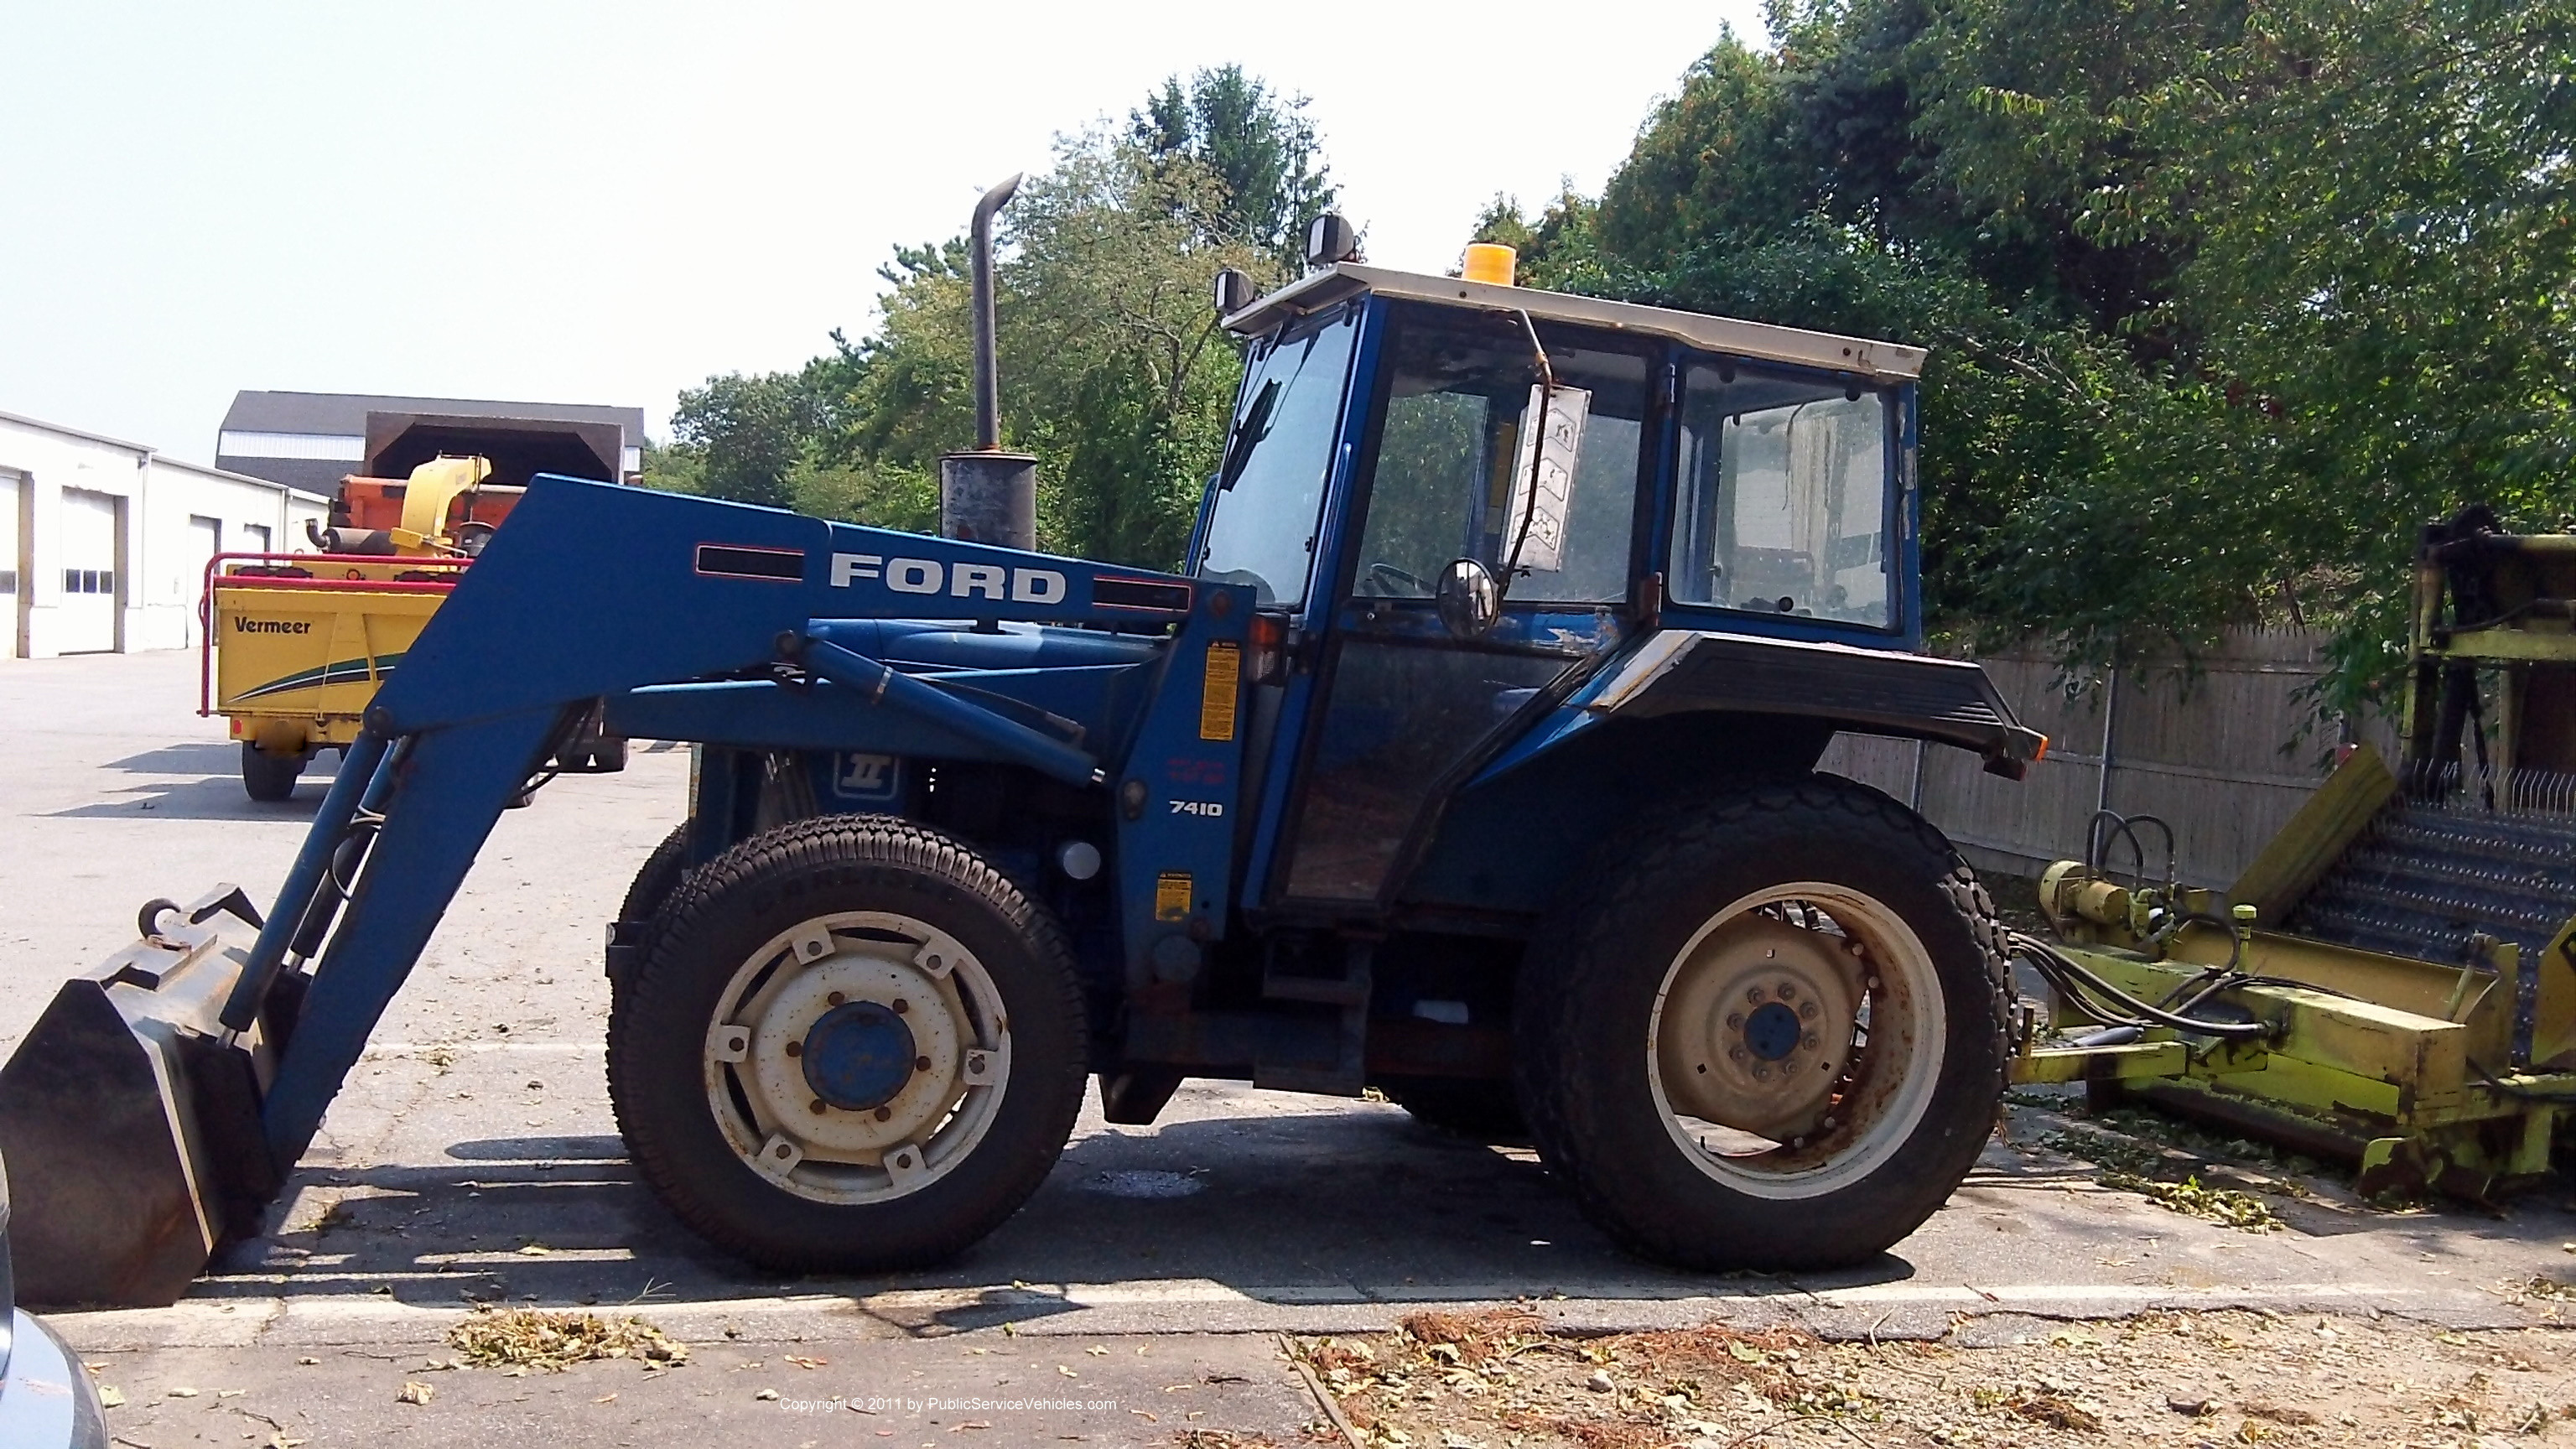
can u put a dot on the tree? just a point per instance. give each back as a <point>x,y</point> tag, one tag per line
<point>1259,147</point>
<point>741,436</point>
<point>1113,369</point>
<point>2223,301</point>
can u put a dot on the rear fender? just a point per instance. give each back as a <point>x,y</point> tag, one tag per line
<point>1509,844</point>
<point>1836,686</point>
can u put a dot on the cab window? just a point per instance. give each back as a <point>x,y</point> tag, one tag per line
<point>1460,389</point>
<point>1786,496</point>
<point>1279,452</point>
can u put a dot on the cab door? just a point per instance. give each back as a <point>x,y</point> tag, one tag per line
<point>1406,705</point>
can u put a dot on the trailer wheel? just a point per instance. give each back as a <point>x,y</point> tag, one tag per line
<point>851,1046</point>
<point>1478,1111</point>
<point>1778,1041</point>
<point>268,777</point>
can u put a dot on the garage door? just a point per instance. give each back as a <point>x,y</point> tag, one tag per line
<point>205,540</point>
<point>88,622</point>
<point>9,565</point>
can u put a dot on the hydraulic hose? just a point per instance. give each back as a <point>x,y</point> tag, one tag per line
<point>2076,980</point>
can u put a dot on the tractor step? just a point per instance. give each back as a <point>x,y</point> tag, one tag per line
<point>1348,1071</point>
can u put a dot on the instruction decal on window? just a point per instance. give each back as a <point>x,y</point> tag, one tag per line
<point>1172,896</point>
<point>1216,699</point>
<point>1539,545</point>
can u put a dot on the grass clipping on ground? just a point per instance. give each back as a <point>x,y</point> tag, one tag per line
<point>535,1338</point>
<point>1506,1380</point>
<point>2129,1165</point>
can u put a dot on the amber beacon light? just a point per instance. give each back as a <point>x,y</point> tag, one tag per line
<point>1490,262</point>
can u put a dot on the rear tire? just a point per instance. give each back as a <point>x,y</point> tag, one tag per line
<point>1707,1117</point>
<point>923,946</point>
<point>269,778</point>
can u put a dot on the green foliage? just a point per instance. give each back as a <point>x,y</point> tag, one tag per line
<point>1113,370</point>
<point>1721,158</point>
<point>2223,301</point>
<point>739,436</point>
<point>1259,148</point>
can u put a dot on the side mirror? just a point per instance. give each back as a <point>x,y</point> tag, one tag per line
<point>1470,606</point>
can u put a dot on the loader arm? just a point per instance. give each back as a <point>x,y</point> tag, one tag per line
<point>635,590</point>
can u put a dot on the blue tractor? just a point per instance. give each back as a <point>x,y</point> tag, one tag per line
<point>1472,757</point>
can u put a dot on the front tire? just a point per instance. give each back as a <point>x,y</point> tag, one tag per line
<point>851,1046</point>
<point>1779,1041</point>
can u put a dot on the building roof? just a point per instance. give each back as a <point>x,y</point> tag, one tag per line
<point>1886,360</point>
<point>159,459</point>
<point>80,433</point>
<point>345,414</point>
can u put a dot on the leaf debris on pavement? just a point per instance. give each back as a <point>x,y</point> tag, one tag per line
<point>551,1340</point>
<point>1507,1378</point>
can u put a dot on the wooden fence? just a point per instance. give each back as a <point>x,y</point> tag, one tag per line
<point>2224,753</point>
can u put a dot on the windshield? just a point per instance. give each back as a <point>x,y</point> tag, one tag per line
<point>1785,496</point>
<point>1270,489</point>
<point>1454,473</point>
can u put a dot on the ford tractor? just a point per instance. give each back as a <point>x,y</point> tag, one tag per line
<point>1470,755</point>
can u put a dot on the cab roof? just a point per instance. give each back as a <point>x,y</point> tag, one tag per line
<point>1887,361</point>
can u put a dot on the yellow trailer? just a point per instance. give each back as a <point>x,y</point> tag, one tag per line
<point>296,646</point>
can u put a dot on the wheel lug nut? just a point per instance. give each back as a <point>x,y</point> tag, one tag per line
<point>1754,996</point>
<point>901,1006</point>
<point>1807,1012</point>
<point>796,1048</point>
<point>921,1064</point>
<point>1761,1074</point>
<point>819,1107</point>
<point>1788,991</point>
<point>1734,1020</point>
<point>1735,1054</point>
<point>1813,1041</point>
<point>836,998</point>
<point>884,1112</point>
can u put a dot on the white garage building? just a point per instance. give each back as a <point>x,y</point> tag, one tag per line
<point>104,543</point>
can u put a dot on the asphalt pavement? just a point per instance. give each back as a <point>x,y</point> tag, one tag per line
<point>472,1158</point>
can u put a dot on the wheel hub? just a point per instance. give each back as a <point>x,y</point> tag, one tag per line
<point>859,1056</point>
<point>856,1055</point>
<point>1757,1027</point>
<point>1771,1031</point>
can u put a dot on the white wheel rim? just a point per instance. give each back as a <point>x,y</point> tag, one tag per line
<point>886,968</point>
<point>1880,1077</point>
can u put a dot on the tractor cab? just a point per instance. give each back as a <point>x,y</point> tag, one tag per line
<point>1455,501</point>
<point>1593,461</point>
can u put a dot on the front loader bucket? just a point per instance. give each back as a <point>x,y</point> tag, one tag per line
<point>130,1126</point>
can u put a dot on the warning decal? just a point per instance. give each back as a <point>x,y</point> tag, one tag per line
<point>1172,896</point>
<point>1216,702</point>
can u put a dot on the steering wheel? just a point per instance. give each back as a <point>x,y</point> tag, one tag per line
<point>1393,582</point>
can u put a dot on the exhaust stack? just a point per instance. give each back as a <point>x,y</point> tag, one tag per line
<point>987,495</point>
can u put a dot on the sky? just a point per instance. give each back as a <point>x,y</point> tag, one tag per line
<point>607,203</point>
